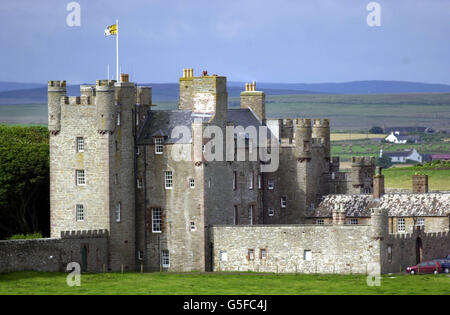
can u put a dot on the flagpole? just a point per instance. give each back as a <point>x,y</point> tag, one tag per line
<point>117,51</point>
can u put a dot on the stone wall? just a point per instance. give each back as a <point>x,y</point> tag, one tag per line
<point>334,249</point>
<point>53,254</point>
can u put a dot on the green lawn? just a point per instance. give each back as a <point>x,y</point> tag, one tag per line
<point>401,178</point>
<point>219,284</point>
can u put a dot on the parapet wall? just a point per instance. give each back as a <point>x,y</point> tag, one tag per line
<point>53,254</point>
<point>324,249</point>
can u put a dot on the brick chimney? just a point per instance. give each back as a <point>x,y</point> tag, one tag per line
<point>378,184</point>
<point>338,214</point>
<point>420,183</point>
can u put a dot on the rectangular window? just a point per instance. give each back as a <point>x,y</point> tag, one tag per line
<point>401,225</point>
<point>140,255</point>
<point>262,253</point>
<point>421,221</point>
<point>271,212</point>
<point>156,220</point>
<point>259,181</point>
<point>283,201</point>
<point>234,180</point>
<point>251,254</point>
<point>193,226</point>
<point>191,183</point>
<point>118,119</point>
<point>168,180</point>
<point>203,148</point>
<point>159,148</point>
<point>235,215</point>
<point>165,258</point>
<point>250,181</point>
<point>270,184</point>
<point>80,177</point>
<point>139,183</point>
<point>320,222</point>
<point>251,214</point>
<point>118,212</point>
<point>307,255</point>
<point>223,256</point>
<point>80,144</point>
<point>80,212</point>
<point>353,221</point>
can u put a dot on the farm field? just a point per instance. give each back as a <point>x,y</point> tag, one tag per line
<point>220,284</point>
<point>401,178</point>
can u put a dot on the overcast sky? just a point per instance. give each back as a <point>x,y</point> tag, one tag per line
<point>267,41</point>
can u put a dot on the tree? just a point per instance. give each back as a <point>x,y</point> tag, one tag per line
<point>24,180</point>
<point>384,161</point>
<point>376,129</point>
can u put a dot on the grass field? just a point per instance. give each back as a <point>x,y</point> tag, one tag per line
<point>219,284</point>
<point>401,178</point>
<point>354,136</point>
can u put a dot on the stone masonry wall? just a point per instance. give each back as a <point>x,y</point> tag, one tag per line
<point>53,254</point>
<point>334,249</point>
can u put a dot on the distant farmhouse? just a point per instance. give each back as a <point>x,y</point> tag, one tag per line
<point>397,138</point>
<point>403,156</point>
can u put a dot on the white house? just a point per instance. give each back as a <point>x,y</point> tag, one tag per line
<point>396,137</point>
<point>403,156</point>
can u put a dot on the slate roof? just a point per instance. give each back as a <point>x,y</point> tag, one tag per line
<point>402,205</point>
<point>162,122</point>
<point>398,153</point>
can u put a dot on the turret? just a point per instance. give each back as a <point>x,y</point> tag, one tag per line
<point>321,130</point>
<point>56,90</point>
<point>104,101</point>
<point>303,134</point>
<point>379,223</point>
<point>255,100</point>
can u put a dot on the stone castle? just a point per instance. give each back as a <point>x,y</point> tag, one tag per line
<point>117,186</point>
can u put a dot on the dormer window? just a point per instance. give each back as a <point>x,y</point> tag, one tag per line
<point>159,148</point>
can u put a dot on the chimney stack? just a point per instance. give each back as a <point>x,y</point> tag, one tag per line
<point>420,183</point>
<point>378,184</point>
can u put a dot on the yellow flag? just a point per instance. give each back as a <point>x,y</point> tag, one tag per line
<point>111,30</point>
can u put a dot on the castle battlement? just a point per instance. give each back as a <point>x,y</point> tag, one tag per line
<point>60,84</point>
<point>85,234</point>
<point>363,161</point>
<point>303,122</point>
<point>324,123</point>
<point>105,83</point>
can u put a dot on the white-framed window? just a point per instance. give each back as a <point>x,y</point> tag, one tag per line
<point>234,180</point>
<point>159,147</point>
<point>80,144</point>
<point>235,215</point>
<point>401,225</point>
<point>320,221</point>
<point>283,200</point>
<point>251,254</point>
<point>223,256</point>
<point>250,214</point>
<point>191,183</point>
<point>139,183</point>
<point>165,258</point>
<point>192,226</point>
<point>156,220</point>
<point>118,212</point>
<point>307,255</point>
<point>271,212</point>
<point>80,177</point>
<point>203,148</point>
<point>250,181</point>
<point>270,184</point>
<point>80,212</point>
<point>262,253</point>
<point>259,181</point>
<point>168,179</point>
<point>421,221</point>
<point>118,119</point>
<point>353,221</point>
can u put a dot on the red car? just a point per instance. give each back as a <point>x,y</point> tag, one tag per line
<point>425,267</point>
